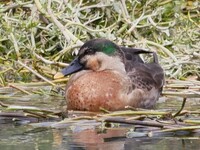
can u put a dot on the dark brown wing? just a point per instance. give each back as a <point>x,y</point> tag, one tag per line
<point>131,56</point>
<point>147,75</point>
<point>156,71</point>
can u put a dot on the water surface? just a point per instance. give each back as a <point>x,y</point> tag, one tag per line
<point>86,135</point>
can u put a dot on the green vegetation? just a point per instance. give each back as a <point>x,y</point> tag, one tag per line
<point>37,35</point>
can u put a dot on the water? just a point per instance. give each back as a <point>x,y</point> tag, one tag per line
<point>86,135</point>
<point>27,138</point>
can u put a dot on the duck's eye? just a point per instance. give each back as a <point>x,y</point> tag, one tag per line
<point>89,51</point>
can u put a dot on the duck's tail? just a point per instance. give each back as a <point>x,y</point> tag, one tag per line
<point>155,57</point>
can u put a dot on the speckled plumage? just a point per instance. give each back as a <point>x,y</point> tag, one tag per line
<point>112,77</point>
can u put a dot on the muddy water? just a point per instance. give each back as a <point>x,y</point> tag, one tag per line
<point>85,136</point>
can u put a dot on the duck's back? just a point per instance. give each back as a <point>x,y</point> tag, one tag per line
<point>131,56</point>
<point>147,77</point>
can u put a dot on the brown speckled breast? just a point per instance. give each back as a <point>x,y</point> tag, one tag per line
<point>93,90</point>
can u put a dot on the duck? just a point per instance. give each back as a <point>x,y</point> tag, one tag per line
<point>105,75</point>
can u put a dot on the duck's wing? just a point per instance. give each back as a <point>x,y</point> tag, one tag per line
<point>147,75</point>
<point>157,71</point>
<point>131,56</point>
<point>157,75</point>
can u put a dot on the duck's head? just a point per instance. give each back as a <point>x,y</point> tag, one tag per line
<point>96,55</point>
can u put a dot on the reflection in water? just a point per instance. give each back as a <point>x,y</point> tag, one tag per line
<point>109,139</point>
<point>26,137</point>
<point>86,136</point>
<point>23,138</point>
<point>162,143</point>
<point>113,139</point>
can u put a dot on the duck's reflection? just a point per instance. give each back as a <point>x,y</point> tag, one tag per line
<point>112,139</point>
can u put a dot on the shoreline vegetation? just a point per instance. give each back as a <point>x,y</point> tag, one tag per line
<point>38,37</point>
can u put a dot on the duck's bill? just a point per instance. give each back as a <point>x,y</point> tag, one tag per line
<point>73,67</point>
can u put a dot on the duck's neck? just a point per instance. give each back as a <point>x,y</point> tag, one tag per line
<point>111,63</point>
